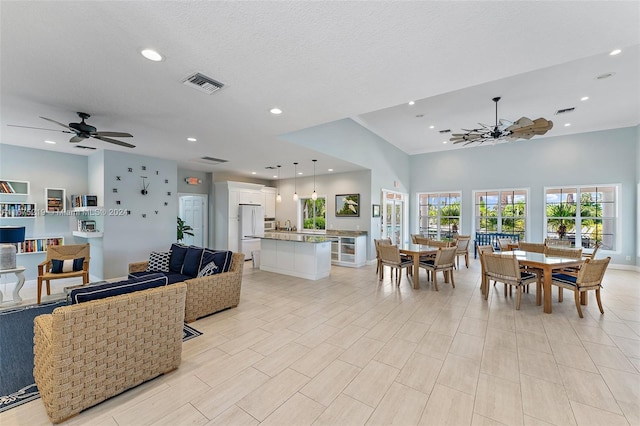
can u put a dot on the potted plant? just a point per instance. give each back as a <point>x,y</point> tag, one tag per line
<point>183,229</point>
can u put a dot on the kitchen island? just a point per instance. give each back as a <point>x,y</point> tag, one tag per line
<point>299,255</point>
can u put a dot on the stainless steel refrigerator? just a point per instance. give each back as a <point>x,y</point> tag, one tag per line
<point>251,225</point>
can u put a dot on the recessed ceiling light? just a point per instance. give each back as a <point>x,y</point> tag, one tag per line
<point>329,170</point>
<point>275,111</point>
<point>275,176</point>
<point>192,139</point>
<point>50,142</point>
<point>253,173</point>
<point>412,102</point>
<point>567,124</point>
<point>432,127</point>
<point>584,98</point>
<point>444,141</point>
<point>151,55</point>
<point>299,173</point>
<point>615,52</point>
<point>419,115</point>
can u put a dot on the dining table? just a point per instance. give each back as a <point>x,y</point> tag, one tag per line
<point>547,264</point>
<point>416,251</point>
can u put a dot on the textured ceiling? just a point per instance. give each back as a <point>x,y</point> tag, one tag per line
<point>319,62</point>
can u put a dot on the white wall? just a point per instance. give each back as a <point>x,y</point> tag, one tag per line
<point>607,157</point>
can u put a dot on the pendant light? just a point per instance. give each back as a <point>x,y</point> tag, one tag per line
<point>279,197</point>
<point>295,186</point>
<point>314,196</point>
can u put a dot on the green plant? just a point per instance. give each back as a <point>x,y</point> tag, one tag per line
<point>183,229</point>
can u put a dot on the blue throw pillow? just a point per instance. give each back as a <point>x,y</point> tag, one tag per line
<point>178,252</point>
<point>221,259</point>
<point>191,263</point>
<point>69,265</point>
<point>94,292</point>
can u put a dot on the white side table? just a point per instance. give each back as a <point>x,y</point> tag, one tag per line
<point>19,271</point>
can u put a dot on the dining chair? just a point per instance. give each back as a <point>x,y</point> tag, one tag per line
<point>444,261</point>
<point>64,261</point>
<point>531,247</point>
<point>462,243</point>
<point>557,242</point>
<point>503,243</point>
<point>505,269</point>
<point>438,243</point>
<point>419,239</point>
<point>390,256</point>
<point>592,255</point>
<point>573,253</point>
<point>484,282</point>
<point>383,241</point>
<point>413,238</point>
<point>589,277</point>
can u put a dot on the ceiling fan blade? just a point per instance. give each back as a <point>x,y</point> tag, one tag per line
<point>114,134</point>
<point>114,141</point>
<point>76,139</point>
<point>38,128</point>
<point>58,123</point>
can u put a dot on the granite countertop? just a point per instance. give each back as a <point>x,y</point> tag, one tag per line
<point>298,238</point>
<point>329,232</point>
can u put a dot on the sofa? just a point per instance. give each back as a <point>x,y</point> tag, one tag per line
<point>85,353</point>
<point>209,290</point>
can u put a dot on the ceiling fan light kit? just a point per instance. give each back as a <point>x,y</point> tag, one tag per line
<point>523,128</point>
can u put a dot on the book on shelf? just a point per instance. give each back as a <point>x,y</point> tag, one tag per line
<point>84,201</point>
<point>6,188</point>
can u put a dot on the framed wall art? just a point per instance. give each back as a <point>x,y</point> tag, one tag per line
<point>375,210</point>
<point>347,205</point>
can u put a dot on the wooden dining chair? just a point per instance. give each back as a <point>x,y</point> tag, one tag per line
<point>444,261</point>
<point>462,243</point>
<point>531,247</point>
<point>484,282</point>
<point>573,253</point>
<point>557,242</point>
<point>64,261</point>
<point>503,243</point>
<point>505,269</point>
<point>390,256</point>
<point>592,255</point>
<point>589,278</point>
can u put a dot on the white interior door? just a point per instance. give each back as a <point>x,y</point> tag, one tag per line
<point>395,217</point>
<point>193,210</point>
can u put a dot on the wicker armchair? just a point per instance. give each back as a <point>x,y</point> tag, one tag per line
<point>444,261</point>
<point>589,278</point>
<point>505,269</point>
<point>63,252</point>
<point>462,242</point>
<point>390,256</point>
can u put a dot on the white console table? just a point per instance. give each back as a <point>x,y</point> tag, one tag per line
<point>19,271</point>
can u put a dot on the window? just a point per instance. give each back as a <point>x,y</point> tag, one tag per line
<point>584,213</point>
<point>439,214</point>
<point>314,213</point>
<point>503,211</point>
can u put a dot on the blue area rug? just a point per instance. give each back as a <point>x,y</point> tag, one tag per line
<point>17,385</point>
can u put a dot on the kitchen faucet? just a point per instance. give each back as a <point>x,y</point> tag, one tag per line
<point>287,225</point>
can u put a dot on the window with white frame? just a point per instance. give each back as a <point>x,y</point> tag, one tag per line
<point>503,211</point>
<point>313,213</point>
<point>439,214</point>
<point>586,214</point>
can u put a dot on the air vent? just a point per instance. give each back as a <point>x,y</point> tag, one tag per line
<point>564,111</point>
<point>209,160</point>
<point>83,147</point>
<point>445,131</point>
<point>202,83</point>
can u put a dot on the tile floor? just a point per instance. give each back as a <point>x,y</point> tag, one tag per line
<point>348,350</point>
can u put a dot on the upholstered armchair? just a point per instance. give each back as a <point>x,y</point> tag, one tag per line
<point>63,262</point>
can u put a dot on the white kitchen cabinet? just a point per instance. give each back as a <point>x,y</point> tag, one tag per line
<point>228,195</point>
<point>349,251</point>
<point>269,204</point>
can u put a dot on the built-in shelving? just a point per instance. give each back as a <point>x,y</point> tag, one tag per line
<point>348,251</point>
<point>55,199</point>
<point>14,187</point>
<point>38,245</point>
<point>17,210</point>
<point>82,234</point>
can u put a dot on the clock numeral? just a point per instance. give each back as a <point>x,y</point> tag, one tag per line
<point>130,169</point>
<point>117,202</point>
<point>144,215</point>
<point>169,193</point>
<point>156,211</point>
<point>115,190</point>
<point>128,212</point>
<point>166,181</point>
<point>144,167</point>
<point>157,172</point>
<point>118,178</point>
<point>166,204</point>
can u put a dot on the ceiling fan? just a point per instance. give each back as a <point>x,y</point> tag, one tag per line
<point>523,128</point>
<point>84,131</point>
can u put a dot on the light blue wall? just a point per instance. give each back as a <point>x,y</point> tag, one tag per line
<point>43,169</point>
<point>606,157</point>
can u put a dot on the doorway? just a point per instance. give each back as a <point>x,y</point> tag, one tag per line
<point>395,217</point>
<point>193,210</point>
